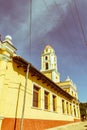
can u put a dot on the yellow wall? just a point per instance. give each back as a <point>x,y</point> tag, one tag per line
<point>48,74</point>
<point>12,85</point>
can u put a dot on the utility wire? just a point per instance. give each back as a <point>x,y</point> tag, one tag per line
<point>73,16</point>
<point>30,25</point>
<point>68,31</point>
<point>27,73</point>
<point>73,11</point>
<point>76,28</point>
<point>80,22</point>
<point>72,32</point>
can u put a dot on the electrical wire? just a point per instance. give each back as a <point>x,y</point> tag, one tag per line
<point>73,16</point>
<point>80,22</point>
<point>68,31</point>
<point>79,60</point>
<point>30,25</point>
<point>75,24</point>
<point>27,73</point>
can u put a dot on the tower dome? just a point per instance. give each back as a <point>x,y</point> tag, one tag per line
<point>48,46</point>
<point>48,49</point>
<point>8,38</point>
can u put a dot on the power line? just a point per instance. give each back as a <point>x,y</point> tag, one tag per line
<point>74,20</point>
<point>72,33</point>
<point>30,25</point>
<point>27,73</point>
<point>80,22</point>
<point>68,31</point>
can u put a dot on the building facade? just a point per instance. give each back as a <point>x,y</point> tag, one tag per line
<point>31,99</point>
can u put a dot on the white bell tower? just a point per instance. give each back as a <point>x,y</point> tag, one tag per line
<point>49,64</point>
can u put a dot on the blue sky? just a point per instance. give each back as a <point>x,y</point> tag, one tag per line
<point>54,22</point>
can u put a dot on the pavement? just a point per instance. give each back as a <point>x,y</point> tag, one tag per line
<point>73,126</point>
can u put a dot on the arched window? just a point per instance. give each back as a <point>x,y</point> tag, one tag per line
<point>46,58</point>
<point>46,66</point>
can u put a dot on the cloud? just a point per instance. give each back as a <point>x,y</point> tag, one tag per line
<point>15,19</point>
<point>13,13</point>
<point>48,18</point>
<point>52,23</point>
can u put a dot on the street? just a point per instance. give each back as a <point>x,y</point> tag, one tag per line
<point>74,126</point>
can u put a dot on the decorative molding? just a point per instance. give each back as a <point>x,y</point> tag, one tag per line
<point>4,57</point>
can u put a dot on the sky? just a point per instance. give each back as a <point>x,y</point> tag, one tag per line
<point>59,23</point>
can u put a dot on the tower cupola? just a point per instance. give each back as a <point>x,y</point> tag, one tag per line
<point>49,63</point>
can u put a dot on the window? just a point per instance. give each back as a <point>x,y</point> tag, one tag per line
<point>46,100</point>
<point>46,58</point>
<point>74,111</point>
<point>70,109</point>
<point>46,66</point>
<point>63,110</point>
<point>36,96</point>
<point>54,103</point>
<point>67,107</point>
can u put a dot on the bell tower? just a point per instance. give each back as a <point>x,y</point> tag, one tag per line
<point>49,64</point>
